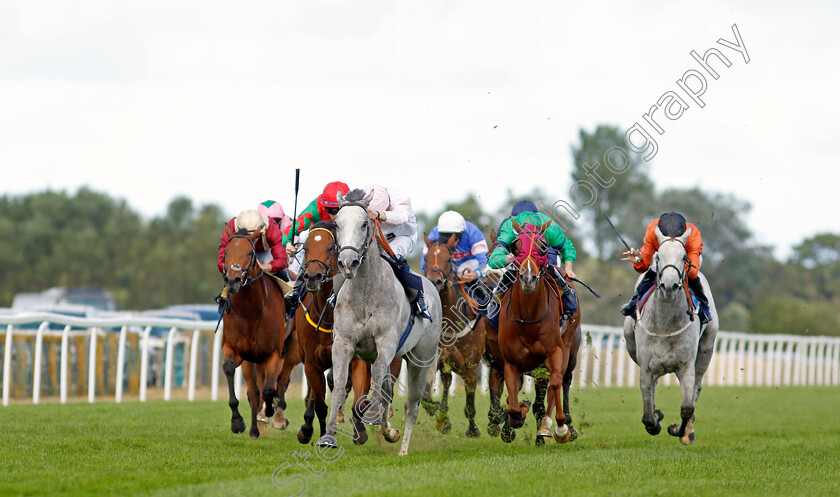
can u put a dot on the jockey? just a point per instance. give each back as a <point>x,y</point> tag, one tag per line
<point>323,208</point>
<point>399,226</point>
<point>469,258</point>
<point>554,237</point>
<point>270,253</point>
<point>671,224</point>
<point>274,210</point>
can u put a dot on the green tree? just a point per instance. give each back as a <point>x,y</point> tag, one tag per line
<point>627,198</point>
<point>818,260</point>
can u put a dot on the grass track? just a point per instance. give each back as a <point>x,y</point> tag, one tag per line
<point>751,441</point>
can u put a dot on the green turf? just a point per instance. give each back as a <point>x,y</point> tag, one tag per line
<point>750,441</point>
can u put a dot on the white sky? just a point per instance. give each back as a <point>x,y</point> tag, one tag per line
<point>149,100</point>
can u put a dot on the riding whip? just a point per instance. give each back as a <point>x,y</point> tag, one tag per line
<point>294,218</point>
<point>587,287</point>
<point>620,238</point>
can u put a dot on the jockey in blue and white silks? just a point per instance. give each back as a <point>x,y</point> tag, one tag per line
<point>471,250</point>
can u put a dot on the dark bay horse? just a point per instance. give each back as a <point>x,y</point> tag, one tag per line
<point>533,335</point>
<point>314,327</point>
<point>462,345</point>
<point>253,328</point>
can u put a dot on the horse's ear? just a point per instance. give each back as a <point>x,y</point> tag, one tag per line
<point>339,197</point>
<point>516,226</point>
<point>452,242</point>
<point>545,226</point>
<point>367,199</point>
<point>685,236</point>
<point>659,235</point>
<point>516,246</point>
<point>426,238</point>
<point>228,231</point>
<point>493,236</point>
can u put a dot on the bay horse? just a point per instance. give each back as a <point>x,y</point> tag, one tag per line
<point>314,323</point>
<point>532,333</point>
<point>462,344</point>
<point>373,319</point>
<point>666,337</point>
<point>252,330</point>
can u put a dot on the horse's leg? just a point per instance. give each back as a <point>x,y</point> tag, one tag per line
<point>429,404</point>
<point>443,424</point>
<point>686,377</point>
<point>271,370</point>
<point>229,363</point>
<point>342,352</point>
<point>416,379</point>
<point>495,415</point>
<point>516,412</point>
<point>360,376</point>
<point>383,391</point>
<point>261,381</point>
<point>279,420</point>
<point>470,383</point>
<point>651,416</point>
<point>556,364</point>
<point>316,381</point>
<point>541,414</point>
<point>567,385</point>
<point>249,373</point>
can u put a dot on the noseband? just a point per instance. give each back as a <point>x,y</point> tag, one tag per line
<point>252,260</point>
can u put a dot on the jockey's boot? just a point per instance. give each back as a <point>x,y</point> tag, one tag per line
<point>293,298</point>
<point>697,287</point>
<point>629,309</point>
<point>569,298</point>
<point>479,292</point>
<point>222,300</point>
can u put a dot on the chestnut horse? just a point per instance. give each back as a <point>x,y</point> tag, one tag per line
<point>253,328</point>
<point>463,346</point>
<point>314,326</point>
<point>532,333</point>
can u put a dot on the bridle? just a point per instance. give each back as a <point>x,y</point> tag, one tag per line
<point>435,267</point>
<point>680,272</point>
<point>252,260</point>
<point>362,250</point>
<point>329,269</point>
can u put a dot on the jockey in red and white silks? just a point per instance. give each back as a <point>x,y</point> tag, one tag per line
<point>396,216</point>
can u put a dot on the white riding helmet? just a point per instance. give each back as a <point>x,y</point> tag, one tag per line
<point>451,222</point>
<point>250,221</point>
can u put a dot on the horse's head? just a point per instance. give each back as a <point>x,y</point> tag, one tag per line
<point>354,231</point>
<point>671,261</point>
<point>240,263</point>
<point>319,264</point>
<point>530,250</point>
<point>438,261</point>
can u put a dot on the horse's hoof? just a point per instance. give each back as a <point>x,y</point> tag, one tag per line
<point>280,424</point>
<point>653,429</point>
<point>688,439</point>
<point>255,433</point>
<point>403,452</point>
<point>674,430</point>
<point>304,437</point>
<point>544,429</point>
<point>327,442</point>
<point>573,434</point>
<point>508,435</point>
<point>361,436</point>
<point>237,425</point>
<point>262,417</point>
<point>659,415</point>
<point>391,435</point>
<point>444,426</point>
<point>562,434</point>
<point>493,429</point>
<point>473,432</point>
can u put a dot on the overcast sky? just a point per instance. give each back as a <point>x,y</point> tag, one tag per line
<point>149,100</point>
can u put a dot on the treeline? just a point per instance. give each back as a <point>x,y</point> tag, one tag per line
<point>90,239</point>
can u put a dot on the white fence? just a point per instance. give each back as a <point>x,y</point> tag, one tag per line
<point>740,358</point>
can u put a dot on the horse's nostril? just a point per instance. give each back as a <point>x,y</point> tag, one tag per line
<point>318,276</point>
<point>354,264</point>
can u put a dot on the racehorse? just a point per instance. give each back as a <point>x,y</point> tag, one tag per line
<point>666,337</point>
<point>314,327</point>
<point>373,319</point>
<point>463,347</point>
<point>253,328</point>
<point>532,333</point>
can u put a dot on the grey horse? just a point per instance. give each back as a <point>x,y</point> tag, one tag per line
<point>665,338</point>
<point>371,318</point>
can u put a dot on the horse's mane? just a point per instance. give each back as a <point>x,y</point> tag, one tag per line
<point>355,195</point>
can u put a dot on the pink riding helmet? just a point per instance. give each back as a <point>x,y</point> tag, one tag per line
<point>273,209</point>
